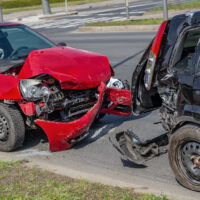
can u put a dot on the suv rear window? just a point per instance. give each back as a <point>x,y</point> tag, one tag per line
<point>186,51</point>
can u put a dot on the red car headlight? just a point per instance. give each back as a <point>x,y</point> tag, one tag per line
<point>31,89</point>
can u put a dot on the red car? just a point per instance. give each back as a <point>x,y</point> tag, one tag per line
<point>60,89</point>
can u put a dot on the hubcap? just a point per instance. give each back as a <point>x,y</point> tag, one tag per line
<point>4,128</point>
<point>190,156</point>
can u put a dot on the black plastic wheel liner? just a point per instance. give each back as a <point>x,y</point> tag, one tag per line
<point>143,143</point>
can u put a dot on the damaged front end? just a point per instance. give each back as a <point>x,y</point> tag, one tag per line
<point>64,115</point>
<point>65,103</point>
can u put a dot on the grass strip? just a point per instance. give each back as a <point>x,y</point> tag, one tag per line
<point>52,5</point>
<point>128,22</point>
<point>188,5</point>
<point>27,3</point>
<point>18,182</point>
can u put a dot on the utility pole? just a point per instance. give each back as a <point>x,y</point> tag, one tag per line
<point>127,9</point>
<point>1,14</point>
<point>66,6</point>
<point>165,9</point>
<point>46,7</point>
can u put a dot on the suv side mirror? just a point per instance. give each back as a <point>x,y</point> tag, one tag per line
<point>62,44</point>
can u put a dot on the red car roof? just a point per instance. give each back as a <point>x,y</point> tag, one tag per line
<point>9,23</point>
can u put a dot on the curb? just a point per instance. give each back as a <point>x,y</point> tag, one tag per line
<point>57,15</point>
<point>126,28</point>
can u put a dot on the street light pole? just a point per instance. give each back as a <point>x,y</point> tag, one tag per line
<point>127,9</point>
<point>1,14</point>
<point>66,6</point>
<point>46,7</point>
<point>165,9</point>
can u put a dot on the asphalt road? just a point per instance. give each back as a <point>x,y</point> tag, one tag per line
<point>95,158</point>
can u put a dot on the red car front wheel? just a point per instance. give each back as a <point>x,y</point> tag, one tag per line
<point>12,130</point>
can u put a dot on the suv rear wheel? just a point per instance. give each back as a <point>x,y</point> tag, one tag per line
<point>12,130</point>
<point>184,156</point>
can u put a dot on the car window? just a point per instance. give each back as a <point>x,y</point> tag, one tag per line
<point>17,42</point>
<point>190,43</point>
<point>186,52</point>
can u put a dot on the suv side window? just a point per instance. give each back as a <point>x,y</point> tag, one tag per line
<point>187,50</point>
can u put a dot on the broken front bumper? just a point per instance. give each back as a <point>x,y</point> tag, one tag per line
<point>62,135</point>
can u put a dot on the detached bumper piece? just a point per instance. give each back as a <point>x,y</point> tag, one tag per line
<point>117,102</point>
<point>63,135</point>
<point>138,151</point>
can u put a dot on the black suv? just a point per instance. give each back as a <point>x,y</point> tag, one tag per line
<point>168,77</point>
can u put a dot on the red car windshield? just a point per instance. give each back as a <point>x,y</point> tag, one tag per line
<point>17,41</point>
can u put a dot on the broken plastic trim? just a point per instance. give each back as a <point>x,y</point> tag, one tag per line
<point>138,151</point>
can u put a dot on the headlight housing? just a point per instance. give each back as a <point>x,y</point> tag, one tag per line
<point>31,89</point>
<point>115,83</point>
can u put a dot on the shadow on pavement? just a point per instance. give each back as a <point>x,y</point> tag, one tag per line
<point>127,163</point>
<point>38,139</point>
<point>127,59</point>
<point>34,138</point>
<point>105,126</point>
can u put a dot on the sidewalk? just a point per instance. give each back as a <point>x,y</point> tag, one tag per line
<point>37,14</point>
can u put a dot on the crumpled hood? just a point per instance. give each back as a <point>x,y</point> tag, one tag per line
<point>74,69</point>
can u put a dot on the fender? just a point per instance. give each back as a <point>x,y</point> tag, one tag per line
<point>9,88</point>
<point>181,121</point>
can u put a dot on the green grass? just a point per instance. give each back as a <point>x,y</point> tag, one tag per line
<point>11,9</point>
<point>18,182</point>
<point>128,22</point>
<point>188,5</point>
<point>6,4</point>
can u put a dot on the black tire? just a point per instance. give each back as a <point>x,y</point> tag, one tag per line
<point>183,145</point>
<point>12,129</point>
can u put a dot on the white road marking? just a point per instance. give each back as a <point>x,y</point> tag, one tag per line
<point>111,130</point>
<point>105,14</point>
<point>97,132</point>
<point>82,15</point>
<point>133,6</point>
<point>65,23</point>
<point>85,22</point>
<point>133,12</point>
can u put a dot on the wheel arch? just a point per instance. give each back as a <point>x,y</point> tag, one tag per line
<point>183,121</point>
